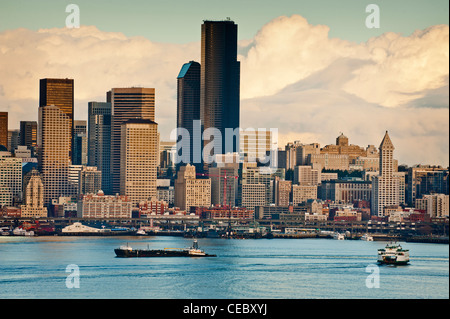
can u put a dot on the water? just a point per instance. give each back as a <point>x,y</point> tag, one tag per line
<point>264,268</point>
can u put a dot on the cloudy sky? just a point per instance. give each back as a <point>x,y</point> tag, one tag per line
<point>311,69</point>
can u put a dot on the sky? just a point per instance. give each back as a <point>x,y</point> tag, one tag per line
<point>311,69</point>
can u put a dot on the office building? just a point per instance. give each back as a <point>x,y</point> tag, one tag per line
<point>302,193</point>
<point>13,140</point>
<point>191,191</point>
<point>282,192</point>
<point>139,157</point>
<point>60,93</point>
<point>424,180</point>
<point>54,140</point>
<point>10,178</point>
<point>28,135</point>
<point>99,140</point>
<point>341,191</point>
<point>385,186</point>
<point>224,184</point>
<point>104,206</point>
<point>4,129</point>
<point>188,115</point>
<point>80,147</point>
<point>89,180</point>
<point>435,205</point>
<point>126,104</point>
<point>220,81</point>
<point>307,175</point>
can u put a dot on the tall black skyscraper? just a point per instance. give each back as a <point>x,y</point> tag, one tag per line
<point>220,78</point>
<point>188,114</point>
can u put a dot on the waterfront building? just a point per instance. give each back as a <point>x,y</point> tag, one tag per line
<point>104,206</point>
<point>60,93</point>
<point>33,196</point>
<point>385,186</point>
<point>220,80</point>
<point>10,178</point>
<point>99,140</point>
<point>188,115</point>
<point>191,191</point>
<point>302,193</point>
<point>126,104</point>
<point>54,140</point>
<point>347,214</point>
<point>4,129</point>
<point>227,213</point>
<point>138,162</point>
<point>153,207</point>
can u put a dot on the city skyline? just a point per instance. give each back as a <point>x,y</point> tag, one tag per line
<point>296,76</point>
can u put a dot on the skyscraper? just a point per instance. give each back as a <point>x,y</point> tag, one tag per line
<point>28,134</point>
<point>126,104</point>
<point>59,92</point>
<point>138,159</point>
<point>220,81</point>
<point>4,129</point>
<point>54,140</point>
<point>385,186</point>
<point>188,111</point>
<point>33,196</point>
<point>99,140</point>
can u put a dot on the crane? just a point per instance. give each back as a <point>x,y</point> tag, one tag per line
<point>225,176</point>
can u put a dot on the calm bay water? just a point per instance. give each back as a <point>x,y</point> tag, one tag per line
<point>264,268</point>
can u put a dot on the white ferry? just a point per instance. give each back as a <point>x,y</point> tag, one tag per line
<point>393,254</point>
<point>80,228</point>
<point>366,237</point>
<point>339,236</point>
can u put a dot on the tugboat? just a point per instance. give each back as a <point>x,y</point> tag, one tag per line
<point>393,254</point>
<point>194,251</point>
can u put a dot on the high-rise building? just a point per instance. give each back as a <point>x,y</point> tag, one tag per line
<point>33,196</point>
<point>385,186</point>
<point>220,82</point>
<point>138,162</point>
<point>224,184</point>
<point>28,134</point>
<point>4,129</point>
<point>89,180</point>
<point>10,178</point>
<point>13,140</point>
<point>99,140</point>
<point>126,104</point>
<point>282,192</point>
<point>191,191</point>
<point>54,140</point>
<point>424,180</point>
<point>188,115</point>
<point>302,193</point>
<point>80,143</point>
<point>59,92</point>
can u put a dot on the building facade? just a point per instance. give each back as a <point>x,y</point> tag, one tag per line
<point>126,104</point>
<point>191,191</point>
<point>138,162</point>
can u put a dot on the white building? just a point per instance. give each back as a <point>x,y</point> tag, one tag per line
<point>385,186</point>
<point>10,179</point>
<point>104,206</point>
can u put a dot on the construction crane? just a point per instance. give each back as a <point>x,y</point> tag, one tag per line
<point>225,177</point>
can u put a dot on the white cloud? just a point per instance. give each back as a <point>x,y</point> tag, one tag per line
<point>293,77</point>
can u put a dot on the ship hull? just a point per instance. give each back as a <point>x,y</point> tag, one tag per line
<point>123,253</point>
